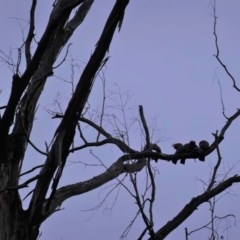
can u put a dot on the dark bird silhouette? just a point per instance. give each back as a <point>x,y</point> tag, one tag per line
<point>191,148</point>
<point>156,148</point>
<point>204,146</point>
<point>188,148</point>
<point>153,147</point>
<point>179,149</point>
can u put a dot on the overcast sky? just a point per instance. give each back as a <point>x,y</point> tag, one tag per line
<point>162,59</point>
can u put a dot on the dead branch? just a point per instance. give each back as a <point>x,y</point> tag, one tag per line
<point>153,185</point>
<point>103,103</point>
<point>217,55</point>
<point>188,233</point>
<point>221,98</point>
<point>111,173</point>
<point>30,35</point>
<point>141,204</point>
<point>23,185</point>
<point>31,170</point>
<point>66,129</point>
<point>193,205</point>
<point>216,167</point>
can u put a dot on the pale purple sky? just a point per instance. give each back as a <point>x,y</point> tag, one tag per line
<point>163,59</point>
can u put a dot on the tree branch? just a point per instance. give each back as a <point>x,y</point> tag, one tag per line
<point>150,222</point>
<point>217,55</point>
<point>30,33</point>
<point>193,205</point>
<point>66,129</point>
<point>111,173</point>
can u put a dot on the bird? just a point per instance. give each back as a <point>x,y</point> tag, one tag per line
<point>151,147</point>
<point>188,148</point>
<point>204,145</point>
<point>191,147</point>
<point>155,147</point>
<point>179,149</point>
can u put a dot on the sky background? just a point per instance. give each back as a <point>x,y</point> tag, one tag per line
<point>162,59</point>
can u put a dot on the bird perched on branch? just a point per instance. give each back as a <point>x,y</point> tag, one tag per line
<point>204,146</point>
<point>191,147</point>
<point>179,149</point>
<point>188,148</point>
<point>153,147</point>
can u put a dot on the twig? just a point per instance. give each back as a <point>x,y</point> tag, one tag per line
<point>213,179</point>
<point>193,205</point>
<point>144,125</point>
<point>30,32</point>
<point>103,103</point>
<point>141,204</point>
<point>151,175</point>
<point>127,229</point>
<point>119,181</point>
<point>221,98</point>
<point>23,185</point>
<point>31,170</point>
<point>29,141</point>
<point>64,58</point>
<point>217,55</point>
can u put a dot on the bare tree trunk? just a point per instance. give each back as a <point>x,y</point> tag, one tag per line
<point>18,118</point>
<point>14,220</point>
<point>14,223</point>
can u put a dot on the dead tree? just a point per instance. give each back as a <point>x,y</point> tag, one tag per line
<point>18,116</point>
<point>17,121</point>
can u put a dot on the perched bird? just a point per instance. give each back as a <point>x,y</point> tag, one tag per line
<point>179,149</point>
<point>188,148</point>
<point>191,147</point>
<point>153,147</point>
<point>204,146</point>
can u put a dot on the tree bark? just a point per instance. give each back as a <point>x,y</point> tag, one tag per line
<point>14,224</point>
<point>18,118</point>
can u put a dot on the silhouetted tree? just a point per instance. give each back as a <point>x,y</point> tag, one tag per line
<point>17,121</point>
